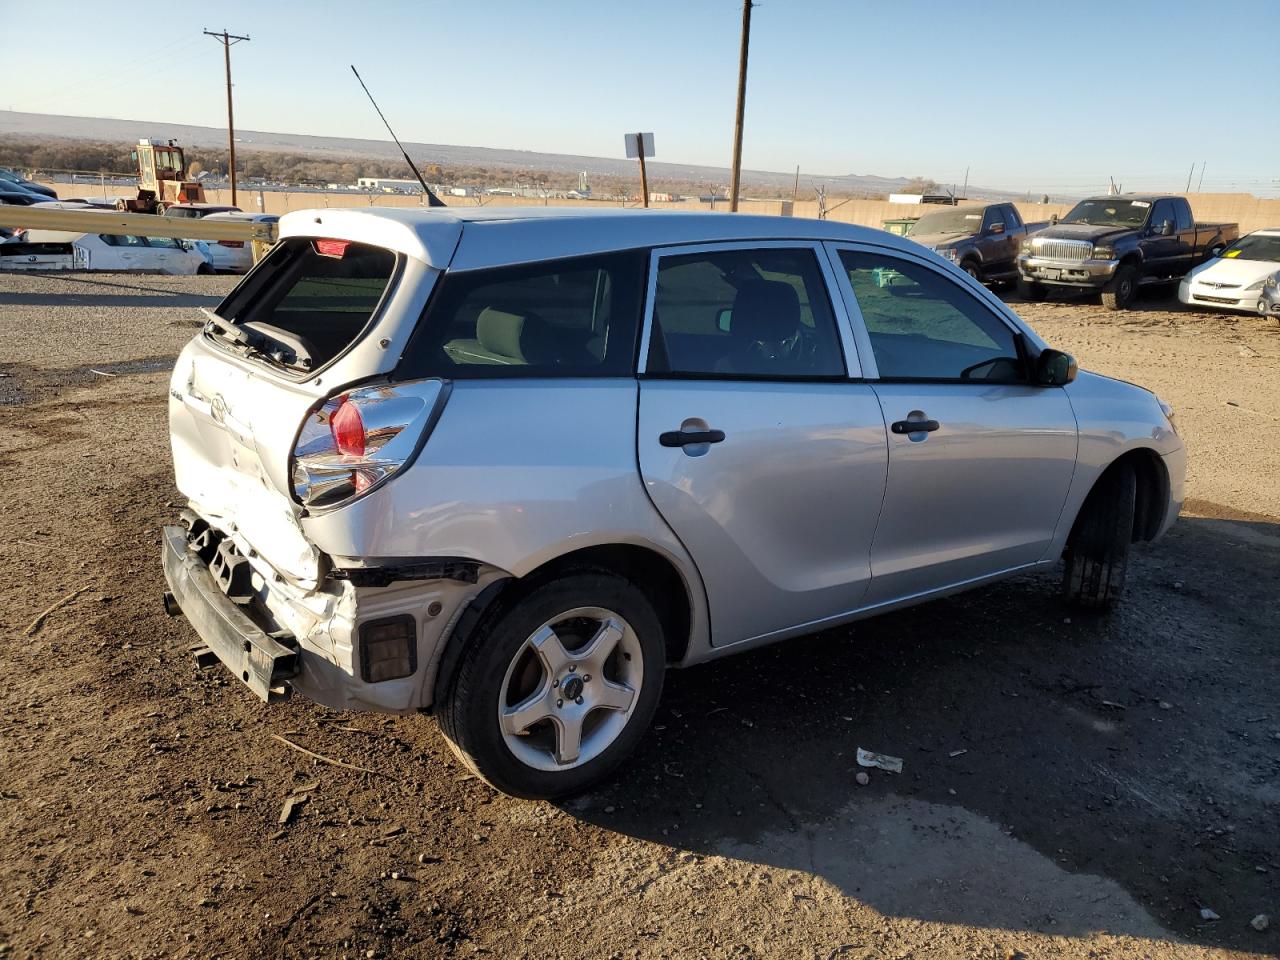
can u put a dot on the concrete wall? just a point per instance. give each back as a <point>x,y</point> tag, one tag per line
<point>1252,213</point>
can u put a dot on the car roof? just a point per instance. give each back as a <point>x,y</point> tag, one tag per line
<point>200,205</point>
<point>469,238</point>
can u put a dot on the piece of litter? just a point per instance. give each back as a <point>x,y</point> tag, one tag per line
<point>1207,914</point>
<point>102,373</point>
<point>1166,705</point>
<point>862,778</point>
<point>1114,705</point>
<point>291,805</point>
<point>1260,922</point>
<point>882,761</point>
<point>957,753</point>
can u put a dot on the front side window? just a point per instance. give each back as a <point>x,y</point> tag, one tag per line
<point>924,326</point>
<point>165,243</point>
<point>744,313</point>
<point>567,318</point>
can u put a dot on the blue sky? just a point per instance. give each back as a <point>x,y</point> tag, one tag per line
<point>1039,96</point>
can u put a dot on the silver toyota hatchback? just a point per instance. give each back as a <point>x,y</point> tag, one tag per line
<point>509,465</point>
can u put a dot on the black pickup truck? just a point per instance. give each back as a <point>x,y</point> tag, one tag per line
<point>983,240</point>
<point>1116,244</point>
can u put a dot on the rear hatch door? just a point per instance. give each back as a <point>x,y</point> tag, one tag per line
<point>316,315</point>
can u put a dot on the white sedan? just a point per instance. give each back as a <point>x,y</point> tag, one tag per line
<point>117,253</point>
<point>235,256</point>
<point>1233,280</point>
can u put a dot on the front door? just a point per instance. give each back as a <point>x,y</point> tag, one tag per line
<point>980,459</point>
<point>754,443</point>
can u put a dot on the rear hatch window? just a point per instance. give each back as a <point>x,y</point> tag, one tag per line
<point>307,302</point>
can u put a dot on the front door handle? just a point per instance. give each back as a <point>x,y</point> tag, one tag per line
<point>684,438</point>
<point>914,426</point>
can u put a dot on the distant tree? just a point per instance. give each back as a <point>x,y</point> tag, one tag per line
<point>920,185</point>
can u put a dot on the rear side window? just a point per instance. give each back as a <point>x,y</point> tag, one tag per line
<point>567,318</point>
<point>322,291</point>
<point>744,313</point>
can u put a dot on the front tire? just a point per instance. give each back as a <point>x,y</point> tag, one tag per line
<point>557,687</point>
<point>973,270</point>
<point>1032,291</point>
<point>1120,293</point>
<point>1097,554</point>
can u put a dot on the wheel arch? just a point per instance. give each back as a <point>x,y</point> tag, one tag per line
<point>650,570</point>
<point>1152,492</point>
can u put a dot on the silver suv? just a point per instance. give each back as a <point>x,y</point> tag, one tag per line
<point>510,465</point>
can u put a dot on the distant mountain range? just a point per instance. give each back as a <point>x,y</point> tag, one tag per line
<point>14,123</point>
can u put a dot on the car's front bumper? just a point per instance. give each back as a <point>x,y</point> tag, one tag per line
<point>1069,273</point>
<point>1195,294</point>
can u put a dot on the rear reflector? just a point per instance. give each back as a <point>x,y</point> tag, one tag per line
<point>331,248</point>
<point>388,649</point>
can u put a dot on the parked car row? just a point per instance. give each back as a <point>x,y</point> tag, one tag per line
<point>1114,245</point>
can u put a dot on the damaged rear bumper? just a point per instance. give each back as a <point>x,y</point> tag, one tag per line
<point>263,663</point>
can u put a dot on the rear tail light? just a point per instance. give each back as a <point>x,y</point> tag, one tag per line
<point>357,440</point>
<point>234,244</point>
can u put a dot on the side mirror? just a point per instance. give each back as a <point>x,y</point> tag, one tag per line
<point>1055,368</point>
<point>1166,229</point>
<point>724,319</point>
<point>996,229</point>
<point>1053,218</point>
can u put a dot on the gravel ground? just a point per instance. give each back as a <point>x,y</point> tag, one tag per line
<point>1073,786</point>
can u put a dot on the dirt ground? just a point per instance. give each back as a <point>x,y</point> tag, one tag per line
<point>1073,787</point>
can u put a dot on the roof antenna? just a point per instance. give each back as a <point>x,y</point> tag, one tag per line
<point>432,199</point>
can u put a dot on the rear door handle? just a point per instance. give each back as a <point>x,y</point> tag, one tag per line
<point>684,438</point>
<point>914,426</point>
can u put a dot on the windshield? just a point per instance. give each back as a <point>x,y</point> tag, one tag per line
<point>1109,212</point>
<point>959,220</point>
<point>1256,246</point>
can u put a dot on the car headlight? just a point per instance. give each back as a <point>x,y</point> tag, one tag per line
<point>1026,246</point>
<point>1104,253</point>
<point>1169,415</point>
<point>949,252</point>
<point>1272,282</point>
<point>1259,284</point>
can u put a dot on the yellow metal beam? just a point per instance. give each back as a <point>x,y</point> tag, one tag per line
<point>135,224</point>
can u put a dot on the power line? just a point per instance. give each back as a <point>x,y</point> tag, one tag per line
<point>229,40</point>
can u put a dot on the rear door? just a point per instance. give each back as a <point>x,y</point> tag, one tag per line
<point>979,458</point>
<point>757,441</point>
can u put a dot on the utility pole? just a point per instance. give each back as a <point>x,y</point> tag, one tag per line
<point>736,174</point>
<point>1190,174</point>
<point>644,175</point>
<point>966,183</point>
<point>228,40</point>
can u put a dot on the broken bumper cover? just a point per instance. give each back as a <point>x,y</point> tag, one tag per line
<point>263,663</point>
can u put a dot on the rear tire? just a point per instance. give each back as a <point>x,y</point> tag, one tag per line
<point>484,714</point>
<point>1030,290</point>
<point>1122,290</point>
<point>1097,555</point>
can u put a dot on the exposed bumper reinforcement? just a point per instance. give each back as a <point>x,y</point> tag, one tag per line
<point>264,664</point>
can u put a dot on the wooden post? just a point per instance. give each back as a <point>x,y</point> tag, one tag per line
<point>644,176</point>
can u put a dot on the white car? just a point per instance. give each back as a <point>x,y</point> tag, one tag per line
<point>235,256</point>
<point>117,253</point>
<point>1233,280</point>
